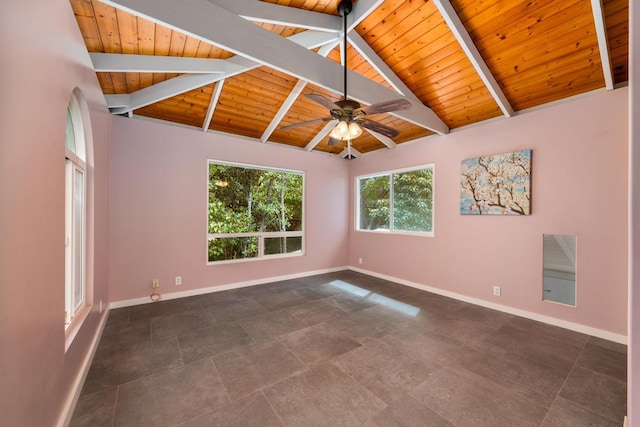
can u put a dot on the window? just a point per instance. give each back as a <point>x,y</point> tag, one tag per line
<point>75,214</point>
<point>397,201</point>
<point>254,213</point>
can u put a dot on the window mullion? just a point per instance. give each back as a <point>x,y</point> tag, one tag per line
<point>391,216</point>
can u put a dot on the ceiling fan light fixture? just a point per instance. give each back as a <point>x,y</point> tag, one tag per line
<point>346,130</point>
<point>341,131</point>
<point>354,130</point>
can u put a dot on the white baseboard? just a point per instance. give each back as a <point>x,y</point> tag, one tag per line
<point>622,339</point>
<point>219,288</point>
<point>72,399</point>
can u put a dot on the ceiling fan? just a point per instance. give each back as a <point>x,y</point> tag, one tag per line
<point>351,116</point>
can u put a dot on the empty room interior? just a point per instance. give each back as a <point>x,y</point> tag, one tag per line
<point>320,213</point>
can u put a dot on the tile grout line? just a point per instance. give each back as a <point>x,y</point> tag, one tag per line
<point>115,405</point>
<point>575,362</point>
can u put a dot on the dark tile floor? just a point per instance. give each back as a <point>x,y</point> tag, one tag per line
<point>345,349</point>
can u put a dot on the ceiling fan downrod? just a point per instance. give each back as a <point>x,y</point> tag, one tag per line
<point>344,8</point>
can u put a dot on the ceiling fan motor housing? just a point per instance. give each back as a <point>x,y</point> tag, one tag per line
<point>345,7</point>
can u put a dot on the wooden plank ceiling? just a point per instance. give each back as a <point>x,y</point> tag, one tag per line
<point>458,62</point>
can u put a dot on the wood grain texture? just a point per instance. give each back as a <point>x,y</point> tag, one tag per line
<point>538,51</point>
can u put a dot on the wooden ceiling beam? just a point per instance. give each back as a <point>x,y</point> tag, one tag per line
<point>350,151</point>
<point>213,24</point>
<point>361,10</point>
<point>462,35</point>
<point>291,98</point>
<point>384,139</point>
<point>281,15</point>
<point>129,63</point>
<point>321,135</point>
<point>284,108</point>
<point>177,85</point>
<point>603,44</point>
<point>212,105</point>
<point>379,65</point>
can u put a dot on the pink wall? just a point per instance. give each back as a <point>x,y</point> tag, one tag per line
<point>43,58</point>
<point>633,375</point>
<point>579,186</point>
<point>159,208</point>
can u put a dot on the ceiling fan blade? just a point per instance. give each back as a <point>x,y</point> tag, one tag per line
<point>385,107</point>
<point>333,141</point>
<point>322,101</point>
<point>378,127</point>
<point>308,122</point>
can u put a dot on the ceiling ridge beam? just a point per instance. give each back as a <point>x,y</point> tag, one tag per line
<point>464,39</point>
<point>131,63</point>
<point>321,135</point>
<point>211,23</point>
<point>281,15</point>
<point>212,105</point>
<point>603,42</point>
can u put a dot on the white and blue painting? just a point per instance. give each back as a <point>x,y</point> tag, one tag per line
<point>496,185</point>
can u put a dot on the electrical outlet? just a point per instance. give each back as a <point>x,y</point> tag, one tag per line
<point>496,291</point>
<point>360,260</point>
<point>155,284</point>
<point>178,280</point>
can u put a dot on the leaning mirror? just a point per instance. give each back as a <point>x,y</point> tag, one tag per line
<point>559,269</point>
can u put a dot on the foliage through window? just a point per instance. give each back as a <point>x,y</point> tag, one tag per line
<point>397,201</point>
<point>254,212</point>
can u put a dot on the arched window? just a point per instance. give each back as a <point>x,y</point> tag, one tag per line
<point>75,214</point>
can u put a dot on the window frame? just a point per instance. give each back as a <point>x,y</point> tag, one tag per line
<point>261,235</point>
<point>75,246</point>
<point>390,173</point>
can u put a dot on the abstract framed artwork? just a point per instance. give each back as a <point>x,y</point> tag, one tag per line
<point>496,185</point>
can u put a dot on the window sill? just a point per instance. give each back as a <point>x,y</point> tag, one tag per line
<point>74,327</point>
<point>399,233</point>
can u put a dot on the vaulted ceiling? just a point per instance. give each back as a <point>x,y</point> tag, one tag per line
<point>243,67</point>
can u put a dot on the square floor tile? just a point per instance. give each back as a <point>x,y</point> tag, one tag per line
<point>250,369</point>
<point>234,310</point>
<point>211,341</point>
<point>524,375</point>
<point>170,397</point>
<point>550,349</point>
<point>604,360</point>
<point>318,343</point>
<point>316,312</point>
<point>180,323</point>
<point>322,396</point>
<point>407,412</point>
<point>136,361</point>
<point>361,326</point>
<point>601,394</point>
<point>466,399</point>
<point>565,413</point>
<point>279,300</point>
<point>96,409</point>
<point>270,325</point>
<point>250,411</point>
<point>387,372</point>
